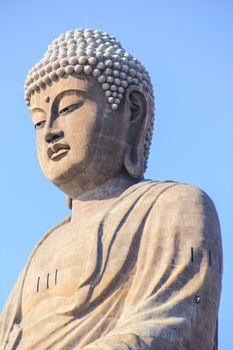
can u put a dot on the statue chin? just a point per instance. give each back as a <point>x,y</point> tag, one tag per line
<point>75,182</point>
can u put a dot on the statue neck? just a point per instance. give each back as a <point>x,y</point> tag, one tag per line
<point>100,196</point>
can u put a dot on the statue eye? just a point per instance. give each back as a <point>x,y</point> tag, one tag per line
<point>70,108</point>
<point>40,124</point>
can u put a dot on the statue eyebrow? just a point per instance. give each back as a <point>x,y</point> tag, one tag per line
<point>70,92</point>
<point>37,109</point>
<point>64,93</point>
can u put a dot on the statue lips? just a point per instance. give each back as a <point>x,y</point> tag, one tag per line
<point>58,151</point>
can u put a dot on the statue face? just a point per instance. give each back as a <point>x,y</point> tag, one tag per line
<point>81,141</point>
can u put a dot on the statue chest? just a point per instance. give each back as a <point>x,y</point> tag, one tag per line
<point>57,267</point>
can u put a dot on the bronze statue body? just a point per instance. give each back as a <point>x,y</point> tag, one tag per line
<point>138,263</point>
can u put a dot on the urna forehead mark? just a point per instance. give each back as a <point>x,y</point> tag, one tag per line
<point>47,99</point>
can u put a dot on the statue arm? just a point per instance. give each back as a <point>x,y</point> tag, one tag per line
<point>12,310</point>
<point>173,299</point>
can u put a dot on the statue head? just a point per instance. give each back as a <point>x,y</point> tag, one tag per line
<point>93,109</point>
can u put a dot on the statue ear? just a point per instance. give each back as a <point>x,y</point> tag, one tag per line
<point>138,121</point>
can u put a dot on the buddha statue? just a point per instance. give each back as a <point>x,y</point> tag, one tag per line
<point>138,263</point>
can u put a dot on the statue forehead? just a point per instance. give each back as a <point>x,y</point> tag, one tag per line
<point>71,83</point>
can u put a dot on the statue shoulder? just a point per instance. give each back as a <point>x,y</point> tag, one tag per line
<point>181,204</point>
<point>169,191</point>
<point>184,210</point>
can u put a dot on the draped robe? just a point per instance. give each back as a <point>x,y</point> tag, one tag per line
<point>151,279</point>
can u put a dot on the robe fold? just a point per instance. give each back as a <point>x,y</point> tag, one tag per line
<point>151,279</point>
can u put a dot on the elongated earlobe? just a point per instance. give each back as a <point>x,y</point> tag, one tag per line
<point>134,165</point>
<point>134,155</point>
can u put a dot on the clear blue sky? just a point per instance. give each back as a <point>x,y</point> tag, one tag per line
<point>187,48</point>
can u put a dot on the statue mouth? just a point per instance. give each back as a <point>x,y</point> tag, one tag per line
<point>58,151</point>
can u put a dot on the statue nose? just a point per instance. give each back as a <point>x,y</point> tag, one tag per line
<point>53,136</point>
